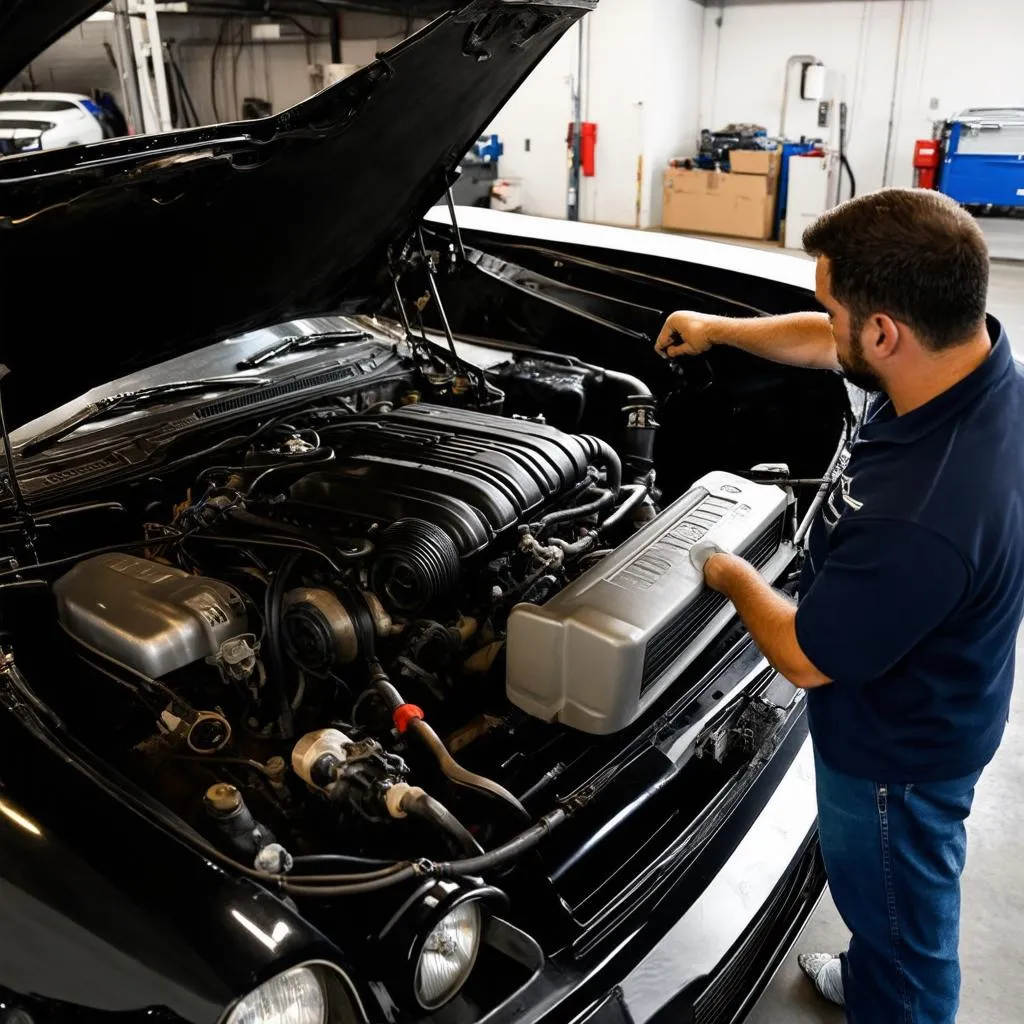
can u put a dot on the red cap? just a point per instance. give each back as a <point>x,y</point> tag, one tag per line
<point>405,714</point>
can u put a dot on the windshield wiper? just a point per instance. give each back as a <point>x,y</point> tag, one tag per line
<point>128,400</point>
<point>299,341</point>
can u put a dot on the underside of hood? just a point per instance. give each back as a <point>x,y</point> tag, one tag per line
<point>117,255</point>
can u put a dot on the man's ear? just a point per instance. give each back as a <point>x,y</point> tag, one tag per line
<point>881,336</point>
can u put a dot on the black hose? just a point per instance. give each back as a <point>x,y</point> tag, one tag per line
<point>267,542</point>
<point>319,885</point>
<point>423,805</point>
<point>502,854</point>
<point>291,471</point>
<point>604,453</point>
<point>341,860</point>
<point>71,559</point>
<point>213,69</point>
<point>187,104</point>
<point>567,515</point>
<point>454,772</point>
<point>361,547</point>
<point>73,510</point>
<point>385,688</point>
<point>849,172</point>
<point>468,867</point>
<point>354,888</point>
<point>843,162</point>
<point>272,617</point>
<point>637,493</point>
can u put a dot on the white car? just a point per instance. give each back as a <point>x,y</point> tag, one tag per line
<point>30,121</point>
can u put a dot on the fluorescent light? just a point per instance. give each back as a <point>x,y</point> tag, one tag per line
<point>101,16</point>
<point>262,31</point>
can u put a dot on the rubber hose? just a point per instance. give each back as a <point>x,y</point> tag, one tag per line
<point>501,854</point>
<point>567,515</point>
<point>470,866</point>
<point>423,805</point>
<point>272,618</point>
<point>849,172</point>
<point>361,882</point>
<point>576,548</point>
<point>383,685</point>
<point>454,771</point>
<point>604,453</point>
<point>637,494</point>
<point>346,889</point>
<point>360,546</point>
<point>341,860</point>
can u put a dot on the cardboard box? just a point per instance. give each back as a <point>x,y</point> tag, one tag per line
<point>718,203</point>
<point>754,161</point>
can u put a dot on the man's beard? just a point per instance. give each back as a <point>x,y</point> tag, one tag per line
<point>854,366</point>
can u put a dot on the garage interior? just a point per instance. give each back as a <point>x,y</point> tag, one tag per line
<point>733,120</point>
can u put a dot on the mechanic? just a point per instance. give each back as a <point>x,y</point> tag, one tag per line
<point>912,590</point>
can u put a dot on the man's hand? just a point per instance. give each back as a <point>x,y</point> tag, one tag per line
<point>770,617</point>
<point>716,570</point>
<point>685,334</point>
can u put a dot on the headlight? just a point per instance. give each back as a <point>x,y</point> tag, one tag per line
<point>447,955</point>
<point>294,997</point>
<point>430,945</point>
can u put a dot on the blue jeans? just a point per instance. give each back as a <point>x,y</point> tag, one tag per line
<point>894,854</point>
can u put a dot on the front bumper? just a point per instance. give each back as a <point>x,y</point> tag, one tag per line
<point>715,962</point>
<point>712,963</point>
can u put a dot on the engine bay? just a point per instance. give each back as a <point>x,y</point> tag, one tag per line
<point>330,638</point>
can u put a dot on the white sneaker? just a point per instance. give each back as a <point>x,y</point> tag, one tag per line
<point>826,971</point>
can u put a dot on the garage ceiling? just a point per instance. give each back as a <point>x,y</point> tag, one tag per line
<point>320,8</point>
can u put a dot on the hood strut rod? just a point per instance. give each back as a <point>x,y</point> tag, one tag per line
<point>435,294</point>
<point>455,224</point>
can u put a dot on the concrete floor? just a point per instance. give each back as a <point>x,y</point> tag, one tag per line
<point>992,936</point>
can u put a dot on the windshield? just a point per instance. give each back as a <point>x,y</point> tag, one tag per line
<point>34,106</point>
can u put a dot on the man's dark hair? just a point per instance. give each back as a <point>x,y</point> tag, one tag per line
<point>910,253</point>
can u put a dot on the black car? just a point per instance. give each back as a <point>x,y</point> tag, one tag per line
<point>352,664</point>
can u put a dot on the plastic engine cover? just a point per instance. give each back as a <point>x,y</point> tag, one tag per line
<point>602,650</point>
<point>473,475</point>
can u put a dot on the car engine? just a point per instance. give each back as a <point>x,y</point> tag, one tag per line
<point>336,619</point>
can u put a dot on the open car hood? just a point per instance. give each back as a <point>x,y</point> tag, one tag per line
<point>117,255</point>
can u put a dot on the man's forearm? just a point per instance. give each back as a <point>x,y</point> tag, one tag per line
<point>798,339</point>
<point>768,615</point>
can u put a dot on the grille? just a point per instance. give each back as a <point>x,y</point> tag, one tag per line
<point>683,628</point>
<point>260,395</point>
<point>746,965</point>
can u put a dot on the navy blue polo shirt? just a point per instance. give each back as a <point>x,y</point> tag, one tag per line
<point>913,589</point>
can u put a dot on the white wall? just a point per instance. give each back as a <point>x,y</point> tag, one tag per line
<point>75,63</point>
<point>533,125</point>
<point>617,88</point>
<point>962,55</point>
<point>673,99</point>
<point>640,85</point>
<point>916,51</point>
<point>277,71</point>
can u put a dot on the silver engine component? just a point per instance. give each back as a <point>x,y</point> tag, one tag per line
<point>311,750</point>
<point>149,616</point>
<point>597,654</point>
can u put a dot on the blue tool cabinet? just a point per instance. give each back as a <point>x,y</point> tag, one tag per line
<point>984,159</point>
